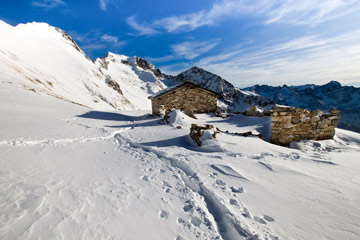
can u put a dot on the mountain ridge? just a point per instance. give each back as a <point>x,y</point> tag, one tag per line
<point>323,97</point>
<point>55,65</point>
<point>233,98</point>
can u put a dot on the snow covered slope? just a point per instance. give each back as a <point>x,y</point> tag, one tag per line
<point>236,99</point>
<point>136,77</point>
<point>45,59</point>
<point>69,172</point>
<point>323,97</point>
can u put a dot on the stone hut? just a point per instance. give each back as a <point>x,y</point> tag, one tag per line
<point>295,124</point>
<point>187,97</point>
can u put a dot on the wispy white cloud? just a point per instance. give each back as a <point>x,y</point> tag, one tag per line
<point>48,3</point>
<point>212,16</point>
<point>142,29</point>
<point>294,12</point>
<point>192,49</point>
<point>104,4</point>
<point>93,46</point>
<point>310,11</point>
<point>310,59</point>
<point>188,50</point>
<point>96,40</point>
<point>176,68</point>
<point>108,38</point>
<point>162,59</point>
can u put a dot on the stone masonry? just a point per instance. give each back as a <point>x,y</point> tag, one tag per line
<point>295,124</point>
<point>186,97</point>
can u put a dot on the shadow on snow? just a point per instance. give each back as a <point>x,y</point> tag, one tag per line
<point>121,117</point>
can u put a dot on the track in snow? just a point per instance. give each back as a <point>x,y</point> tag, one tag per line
<point>228,226</point>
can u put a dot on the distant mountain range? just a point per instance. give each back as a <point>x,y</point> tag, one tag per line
<point>323,97</point>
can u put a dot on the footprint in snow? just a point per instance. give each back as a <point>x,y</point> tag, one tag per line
<point>268,218</point>
<point>294,156</point>
<point>234,202</point>
<point>237,190</point>
<point>167,186</point>
<point>259,220</point>
<point>164,214</point>
<point>220,182</point>
<point>246,213</point>
<point>196,221</point>
<point>188,207</point>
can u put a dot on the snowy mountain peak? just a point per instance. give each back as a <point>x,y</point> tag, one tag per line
<point>146,65</point>
<point>233,98</point>
<point>55,65</point>
<point>72,41</point>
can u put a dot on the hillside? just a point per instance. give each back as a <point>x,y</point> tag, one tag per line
<point>323,97</point>
<point>71,172</point>
<point>82,158</point>
<point>46,60</point>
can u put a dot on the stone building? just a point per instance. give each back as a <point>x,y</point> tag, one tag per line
<point>295,124</point>
<point>187,97</point>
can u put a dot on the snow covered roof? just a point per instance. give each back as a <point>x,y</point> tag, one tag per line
<point>172,88</point>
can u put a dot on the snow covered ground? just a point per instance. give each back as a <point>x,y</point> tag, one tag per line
<point>71,172</point>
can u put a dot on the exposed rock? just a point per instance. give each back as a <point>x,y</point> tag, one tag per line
<point>126,62</point>
<point>104,63</point>
<point>113,84</point>
<point>148,66</point>
<point>196,131</point>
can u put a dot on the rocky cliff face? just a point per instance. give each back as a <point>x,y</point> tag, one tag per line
<point>234,98</point>
<point>322,97</point>
<point>145,65</point>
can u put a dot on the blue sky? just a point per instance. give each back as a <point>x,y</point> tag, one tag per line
<point>247,42</point>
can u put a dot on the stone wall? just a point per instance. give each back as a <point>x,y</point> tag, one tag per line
<point>295,124</point>
<point>188,98</point>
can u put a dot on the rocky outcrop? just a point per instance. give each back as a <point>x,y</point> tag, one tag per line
<point>197,131</point>
<point>295,124</point>
<point>113,84</point>
<point>142,63</point>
